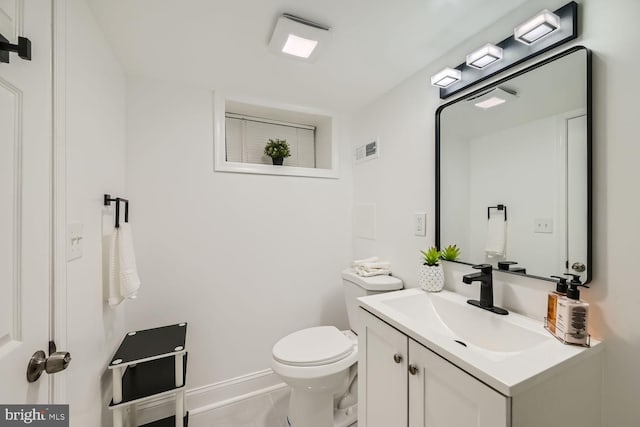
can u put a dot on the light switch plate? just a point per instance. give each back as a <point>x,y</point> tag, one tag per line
<point>420,223</point>
<point>74,241</point>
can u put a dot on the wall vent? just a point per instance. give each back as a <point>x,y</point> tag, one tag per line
<point>368,151</point>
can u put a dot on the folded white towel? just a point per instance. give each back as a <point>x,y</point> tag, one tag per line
<point>371,267</point>
<point>360,262</point>
<point>375,265</point>
<point>375,272</point>
<point>124,281</point>
<point>496,236</point>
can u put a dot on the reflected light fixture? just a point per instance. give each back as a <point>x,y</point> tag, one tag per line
<point>493,98</point>
<point>541,25</point>
<point>485,56</point>
<point>446,77</point>
<point>298,38</point>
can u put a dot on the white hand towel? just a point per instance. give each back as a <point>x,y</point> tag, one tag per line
<point>496,236</point>
<point>129,279</point>
<point>124,281</point>
<point>115,297</point>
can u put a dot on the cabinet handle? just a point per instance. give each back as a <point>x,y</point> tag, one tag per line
<point>397,358</point>
<point>413,369</point>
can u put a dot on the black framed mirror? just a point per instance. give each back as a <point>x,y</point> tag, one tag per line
<point>513,170</point>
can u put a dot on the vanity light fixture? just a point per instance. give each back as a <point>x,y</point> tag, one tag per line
<point>298,38</point>
<point>541,25</point>
<point>485,56</point>
<point>446,77</point>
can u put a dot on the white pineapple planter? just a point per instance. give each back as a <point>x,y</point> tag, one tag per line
<point>431,277</point>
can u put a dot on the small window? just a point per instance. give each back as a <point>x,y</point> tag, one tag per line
<point>242,130</point>
<point>246,137</point>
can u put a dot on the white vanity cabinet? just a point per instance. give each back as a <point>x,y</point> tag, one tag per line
<point>404,383</point>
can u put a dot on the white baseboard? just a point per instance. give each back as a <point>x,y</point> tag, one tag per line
<point>213,396</point>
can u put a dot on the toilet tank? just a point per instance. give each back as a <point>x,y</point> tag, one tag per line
<point>356,286</point>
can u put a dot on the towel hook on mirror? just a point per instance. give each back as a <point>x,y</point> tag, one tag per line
<point>107,202</point>
<point>500,208</point>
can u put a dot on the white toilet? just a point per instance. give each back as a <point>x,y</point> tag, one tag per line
<point>320,364</point>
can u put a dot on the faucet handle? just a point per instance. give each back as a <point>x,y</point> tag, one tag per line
<point>485,268</point>
<point>504,265</point>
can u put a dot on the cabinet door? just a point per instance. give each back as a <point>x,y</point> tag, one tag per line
<point>442,395</point>
<point>382,374</point>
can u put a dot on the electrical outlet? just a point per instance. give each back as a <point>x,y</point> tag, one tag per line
<point>420,224</point>
<point>543,225</point>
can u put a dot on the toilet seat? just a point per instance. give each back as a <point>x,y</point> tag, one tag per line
<point>314,352</point>
<point>313,347</point>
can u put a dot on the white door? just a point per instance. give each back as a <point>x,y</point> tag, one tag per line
<point>25,193</point>
<point>382,374</point>
<point>442,395</point>
<point>577,192</point>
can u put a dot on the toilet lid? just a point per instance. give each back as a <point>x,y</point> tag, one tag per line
<point>312,347</point>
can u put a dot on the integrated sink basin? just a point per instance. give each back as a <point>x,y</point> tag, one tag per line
<point>508,353</point>
<point>449,314</point>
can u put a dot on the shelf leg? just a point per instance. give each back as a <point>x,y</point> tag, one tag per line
<point>179,370</point>
<point>180,409</point>
<point>118,417</point>
<point>117,384</point>
<point>118,414</point>
<point>134,415</point>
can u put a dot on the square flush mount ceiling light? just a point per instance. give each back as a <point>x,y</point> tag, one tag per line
<point>446,77</point>
<point>541,25</point>
<point>485,56</point>
<point>493,98</point>
<point>299,38</point>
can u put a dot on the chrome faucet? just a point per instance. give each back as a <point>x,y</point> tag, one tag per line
<point>485,277</point>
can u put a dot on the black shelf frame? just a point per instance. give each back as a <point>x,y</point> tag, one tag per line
<point>150,363</point>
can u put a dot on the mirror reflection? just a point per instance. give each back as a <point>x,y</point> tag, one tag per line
<point>514,171</point>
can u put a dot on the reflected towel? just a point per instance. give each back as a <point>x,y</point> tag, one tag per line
<point>124,281</point>
<point>496,236</point>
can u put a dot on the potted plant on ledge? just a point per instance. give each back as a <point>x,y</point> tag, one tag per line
<point>277,149</point>
<point>430,274</point>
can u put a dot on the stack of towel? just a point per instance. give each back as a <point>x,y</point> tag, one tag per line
<point>371,267</point>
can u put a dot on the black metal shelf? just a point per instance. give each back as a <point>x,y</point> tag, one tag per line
<point>149,379</point>
<point>149,344</point>
<point>147,364</point>
<point>167,422</point>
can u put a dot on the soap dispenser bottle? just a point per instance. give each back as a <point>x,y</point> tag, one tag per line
<point>552,302</point>
<point>573,314</point>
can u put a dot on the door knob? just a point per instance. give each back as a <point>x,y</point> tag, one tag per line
<point>397,358</point>
<point>579,267</point>
<point>39,363</point>
<point>413,369</point>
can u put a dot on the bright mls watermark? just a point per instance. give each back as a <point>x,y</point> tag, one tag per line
<point>34,415</point>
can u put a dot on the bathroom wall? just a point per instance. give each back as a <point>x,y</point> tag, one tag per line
<point>95,157</point>
<point>401,182</point>
<point>244,258</point>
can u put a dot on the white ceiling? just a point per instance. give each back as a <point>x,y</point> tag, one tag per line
<point>222,44</point>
